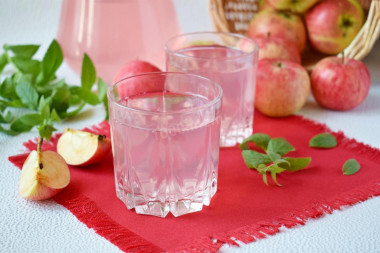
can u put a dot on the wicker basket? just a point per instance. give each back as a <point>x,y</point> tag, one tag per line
<point>235,16</point>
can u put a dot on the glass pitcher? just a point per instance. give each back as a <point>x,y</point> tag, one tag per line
<point>113,32</point>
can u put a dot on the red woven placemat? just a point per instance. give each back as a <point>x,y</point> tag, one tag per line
<point>244,208</point>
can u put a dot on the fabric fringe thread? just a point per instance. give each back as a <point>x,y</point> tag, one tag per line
<point>298,217</point>
<point>88,212</point>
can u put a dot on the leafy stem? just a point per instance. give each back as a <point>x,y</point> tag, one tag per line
<point>273,160</point>
<point>33,85</point>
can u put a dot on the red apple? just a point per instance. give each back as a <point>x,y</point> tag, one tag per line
<point>277,48</point>
<point>43,175</point>
<point>282,87</point>
<point>134,67</point>
<point>82,148</point>
<point>299,6</point>
<point>333,24</point>
<point>340,84</point>
<point>141,85</point>
<point>285,25</point>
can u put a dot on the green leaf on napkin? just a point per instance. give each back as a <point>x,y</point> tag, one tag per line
<point>259,139</point>
<point>280,146</point>
<point>350,167</point>
<point>323,140</point>
<point>272,161</point>
<point>253,159</point>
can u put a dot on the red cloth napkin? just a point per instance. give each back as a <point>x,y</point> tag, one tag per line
<point>243,208</point>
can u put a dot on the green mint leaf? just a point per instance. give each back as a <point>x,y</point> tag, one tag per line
<point>102,94</point>
<point>27,93</point>
<point>22,51</point>
<point>44,107</point>
<point>72,113</point>
<point>102,89</point>
<point>105,104</point>
<point>298,163</point>
<point>16,103</point>
<point>54,116</point>
<point>19,126</point>
<point>259,139</point>
<point>350,167</point>
<point>7,118</point>
<point>323,140</point>
<point>8,131</point>
<point>60,99</point>
<point>46,131</point>
<point>27,66</point>
<point>274,170</point>
<point>253,159</point>
<point>88,96</point>
<point>279,146</point>
<point>265,178</point>
<point>31,119</point>
<point>52,60</point>
<point>282,163</point>
<point>7,89</point>
<point>88,76</point>
<point>3,61</point>
<point>262,168</point>
<point>273,156</point>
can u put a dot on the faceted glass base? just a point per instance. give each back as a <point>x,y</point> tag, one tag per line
<point>161,209</point>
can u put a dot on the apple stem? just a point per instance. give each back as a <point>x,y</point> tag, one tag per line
<point>39,144</point>
<point>342,57</point>
<point>268,35</point>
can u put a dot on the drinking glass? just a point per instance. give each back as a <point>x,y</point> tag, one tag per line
<point>165,141</point>
<point>113,32</point>
<point>231,61</point>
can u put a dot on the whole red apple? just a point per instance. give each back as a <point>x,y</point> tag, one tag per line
<point>133,68</point>
<point>139,85</point>
<point>340,84</point>
<point>285,25</point>
<point>333,24</point>
<point>282,87</point>
<point>277,48</point>
<point>299,6</point>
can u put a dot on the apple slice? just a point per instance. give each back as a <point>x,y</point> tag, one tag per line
<point>43,175</point>
<point>82,148</point>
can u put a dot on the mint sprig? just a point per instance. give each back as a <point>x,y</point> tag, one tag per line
<point>273,160</point>
<point>32,85</point>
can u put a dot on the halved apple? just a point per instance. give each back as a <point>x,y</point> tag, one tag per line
<point>82,148</point>
<point>43,175</point>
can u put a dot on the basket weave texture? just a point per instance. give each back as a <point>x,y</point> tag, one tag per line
<point>235,15</point>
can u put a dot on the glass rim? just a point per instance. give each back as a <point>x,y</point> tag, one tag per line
<point>209,103</point>
<point>229,34</point>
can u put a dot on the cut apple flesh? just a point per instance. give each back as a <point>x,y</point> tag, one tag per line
<point>43,175</point>
<point>82,148</point>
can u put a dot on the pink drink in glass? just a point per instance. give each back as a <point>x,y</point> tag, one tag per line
<point>166,144</point>
<point>113,32</point>
<point>233,67</point>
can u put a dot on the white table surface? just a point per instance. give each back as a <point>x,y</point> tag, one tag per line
<point>46,226</point>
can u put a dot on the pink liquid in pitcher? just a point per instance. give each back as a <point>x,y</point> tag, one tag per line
<point>236,77</point>
<point>165,162</point>
<point>113,32</point>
